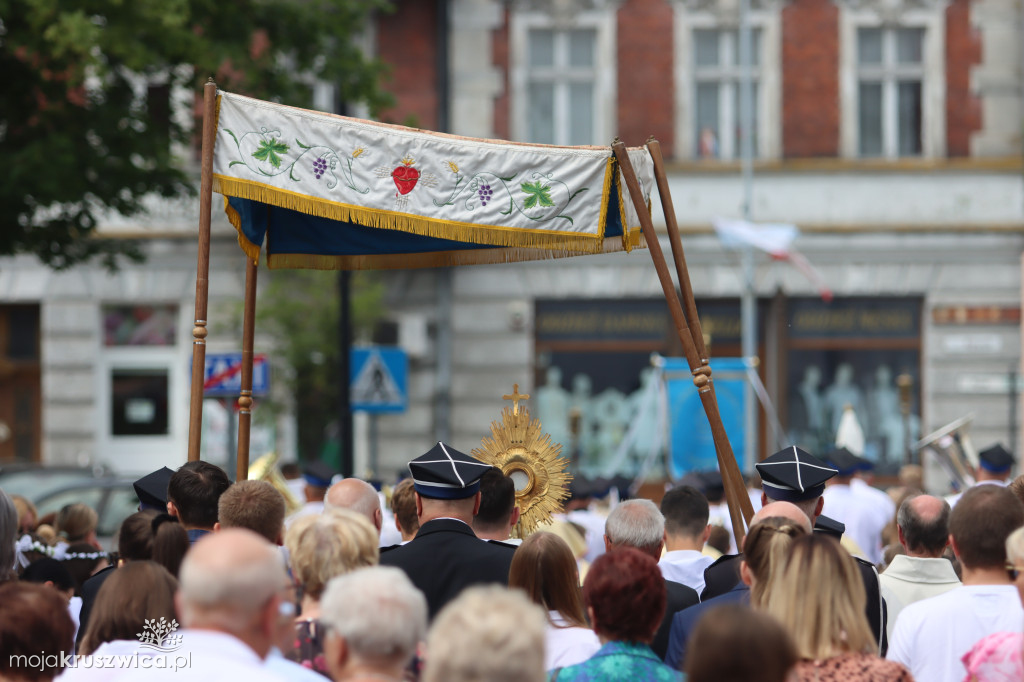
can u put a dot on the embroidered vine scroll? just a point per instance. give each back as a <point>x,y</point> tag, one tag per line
<point>332,192</point>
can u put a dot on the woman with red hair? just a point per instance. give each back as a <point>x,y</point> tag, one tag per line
<point>625,595</point>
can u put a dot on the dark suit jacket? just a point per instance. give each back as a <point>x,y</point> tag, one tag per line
<point>90,588</point>
<point>679,597</point>
<point>686,620</point>
<point>446,557</point>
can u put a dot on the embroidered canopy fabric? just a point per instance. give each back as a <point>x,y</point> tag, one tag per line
<point>330,192</point>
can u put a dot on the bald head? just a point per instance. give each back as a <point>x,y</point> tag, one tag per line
<point>786,510</point>
<point>358,496</point>
<point>923,522</point>
<point>227,582</point>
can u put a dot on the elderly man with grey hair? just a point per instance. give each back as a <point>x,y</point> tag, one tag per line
<point>357,495</point>
<point>233,600</point>
<point>639,524</point>
<point>375,620</point>
<point>923,526</point>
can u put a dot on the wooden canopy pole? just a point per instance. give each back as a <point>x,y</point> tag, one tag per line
<point>245,399</point>
<point>689,301</point>
<point>701,373</point>
<point>682,273</point>
<point>195,421</point>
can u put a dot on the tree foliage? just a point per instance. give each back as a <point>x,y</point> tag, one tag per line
<point>99,99</point>
<point>300,311</point>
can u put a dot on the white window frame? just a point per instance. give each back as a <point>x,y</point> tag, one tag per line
<point>603,23</point>
<point>146,453</point>
<point>932,19</point>
<point>690,17</point>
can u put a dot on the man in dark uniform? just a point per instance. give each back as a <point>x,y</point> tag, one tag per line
<point>446,556</point>
<point>793,475</point>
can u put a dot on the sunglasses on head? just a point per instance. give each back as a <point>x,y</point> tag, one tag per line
<point>1014,571</point>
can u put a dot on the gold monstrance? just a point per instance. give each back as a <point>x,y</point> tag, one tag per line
<point>525,453</point>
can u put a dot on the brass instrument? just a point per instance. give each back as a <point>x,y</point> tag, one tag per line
<point>265,469</point>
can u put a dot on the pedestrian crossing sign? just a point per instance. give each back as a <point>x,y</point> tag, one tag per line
<point>379,379</point>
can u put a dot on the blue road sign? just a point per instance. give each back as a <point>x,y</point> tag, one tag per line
<point>223,375</point>
<point>380,379</point>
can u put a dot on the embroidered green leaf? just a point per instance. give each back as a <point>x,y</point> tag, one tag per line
<point>269,150</point>
<point>304,146</point>
<point>538,195</point>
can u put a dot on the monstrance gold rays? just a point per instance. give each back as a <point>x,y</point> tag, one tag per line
<point>525,453</point>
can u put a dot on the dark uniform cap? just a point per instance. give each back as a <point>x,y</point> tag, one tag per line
<point>793,475</point>
<point>995,459</point>
<point>151,489</point>
<point>845,462</point>
<point>318,474</point>
<point>444,473</point>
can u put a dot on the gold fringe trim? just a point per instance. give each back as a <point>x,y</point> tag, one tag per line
<point>495,235</point>
<point>251,250</point>
<point>609,171</point>
<point>433,259</point>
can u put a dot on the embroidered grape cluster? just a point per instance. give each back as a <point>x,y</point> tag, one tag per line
<point>484,191</point>
<point>319,166</point>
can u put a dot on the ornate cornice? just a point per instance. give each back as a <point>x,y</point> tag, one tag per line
<point>563,12</point>
<point>892,11</point>
<point>727,12</point>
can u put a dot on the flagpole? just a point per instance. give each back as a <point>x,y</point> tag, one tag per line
<point>748,301</point>
<point>740,509</point>
<point>245,396</point>
<point>195,422</point>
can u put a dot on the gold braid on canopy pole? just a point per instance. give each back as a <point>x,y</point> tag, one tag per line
<point>522,451</point>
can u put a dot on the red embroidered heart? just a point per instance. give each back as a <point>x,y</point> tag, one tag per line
<point>405,178</point>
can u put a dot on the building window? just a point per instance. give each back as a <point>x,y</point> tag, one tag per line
<point>708,79</point>
<point>562,86</point>
<point>892,79</point>
<point>718,78</point>
<point>139,400</point>
<point>890,86</point>
<point>139,325</point>
<point>563,77</point>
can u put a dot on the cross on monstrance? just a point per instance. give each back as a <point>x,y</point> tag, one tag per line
<point>515,398</point>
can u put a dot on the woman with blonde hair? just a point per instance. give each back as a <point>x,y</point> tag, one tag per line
<point>818,596</point>
<point>321,547</point>
<point>764,551</point>
<point>544,567</point>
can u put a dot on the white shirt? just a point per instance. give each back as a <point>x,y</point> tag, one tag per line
<point>685,566</point>
<point>120,649</point>
<point>864,524</point>
<point>932,635</point>
<point>592,522</point>
<point>305,510</point>
<point>212,657</point>
<point>567,645</point>
<point>955,497</point>
<point>910,579</point>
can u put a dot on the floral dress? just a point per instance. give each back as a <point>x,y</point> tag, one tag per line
<point>852,668</point>
<point>308,648</point>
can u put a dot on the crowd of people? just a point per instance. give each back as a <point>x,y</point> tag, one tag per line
<point>833,580</point>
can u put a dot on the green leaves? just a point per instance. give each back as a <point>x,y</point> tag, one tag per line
<point>268,151</point>
<point>96,115</point>
<point>537,194</point>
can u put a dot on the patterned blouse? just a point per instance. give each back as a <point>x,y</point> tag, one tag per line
<point>852,668</point>
<point>618,662</point>
<point>308,649</point>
